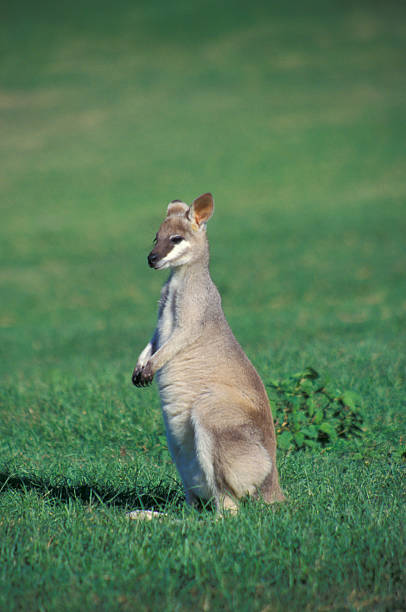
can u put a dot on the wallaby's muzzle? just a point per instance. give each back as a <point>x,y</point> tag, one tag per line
<point>152,259</point>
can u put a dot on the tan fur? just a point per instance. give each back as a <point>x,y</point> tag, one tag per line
<point>218,421</point>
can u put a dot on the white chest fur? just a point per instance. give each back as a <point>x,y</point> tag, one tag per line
<point>168,319</point>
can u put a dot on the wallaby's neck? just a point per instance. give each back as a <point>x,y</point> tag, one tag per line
<point>195,271</point>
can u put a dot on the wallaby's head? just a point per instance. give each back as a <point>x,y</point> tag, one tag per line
<point>181,239</point>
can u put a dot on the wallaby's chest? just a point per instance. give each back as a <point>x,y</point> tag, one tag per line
<point>168,318</point>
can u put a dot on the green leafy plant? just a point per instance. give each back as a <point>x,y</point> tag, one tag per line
<point>309,412</point>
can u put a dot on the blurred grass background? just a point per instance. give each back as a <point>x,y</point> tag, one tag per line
<point>293,116</point>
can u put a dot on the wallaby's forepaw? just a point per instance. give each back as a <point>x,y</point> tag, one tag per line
<point>142,375</point>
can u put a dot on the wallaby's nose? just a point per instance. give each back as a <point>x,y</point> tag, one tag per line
<point>152,259</point>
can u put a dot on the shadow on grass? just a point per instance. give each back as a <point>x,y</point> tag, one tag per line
<point>156,497</point>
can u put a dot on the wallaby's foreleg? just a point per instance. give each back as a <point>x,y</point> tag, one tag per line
<point>145,355</point>
<point>139,378</point>
<point>142,377</point>
<point>179,340</point>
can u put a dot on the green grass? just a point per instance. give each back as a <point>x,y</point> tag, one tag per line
<point>294,117</point>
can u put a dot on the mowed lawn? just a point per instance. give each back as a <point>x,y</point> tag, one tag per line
<point>293,116</point>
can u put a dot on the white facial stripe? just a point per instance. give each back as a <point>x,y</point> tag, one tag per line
<point>175,254</point>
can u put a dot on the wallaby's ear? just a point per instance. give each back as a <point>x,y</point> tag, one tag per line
<point>176,207</point>
<point>201,209</point>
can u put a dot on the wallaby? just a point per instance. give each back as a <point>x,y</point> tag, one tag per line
<point>217,415</point>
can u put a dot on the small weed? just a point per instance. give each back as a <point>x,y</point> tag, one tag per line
<point>310,412</point>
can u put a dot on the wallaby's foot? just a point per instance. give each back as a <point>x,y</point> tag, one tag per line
<point>142,375</point>
<point>227,505</point>
<point>145,515</point>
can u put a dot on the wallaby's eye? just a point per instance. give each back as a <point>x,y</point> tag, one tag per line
<point>176,239</point>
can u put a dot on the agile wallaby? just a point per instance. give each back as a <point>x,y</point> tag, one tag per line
<point>218,420</point>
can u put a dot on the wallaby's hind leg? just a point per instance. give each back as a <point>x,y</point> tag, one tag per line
<point>270,490</point>
<point>232,456</point>
<point>241,463</point>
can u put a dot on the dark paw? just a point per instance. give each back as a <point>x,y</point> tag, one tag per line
<point>142,376</point>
